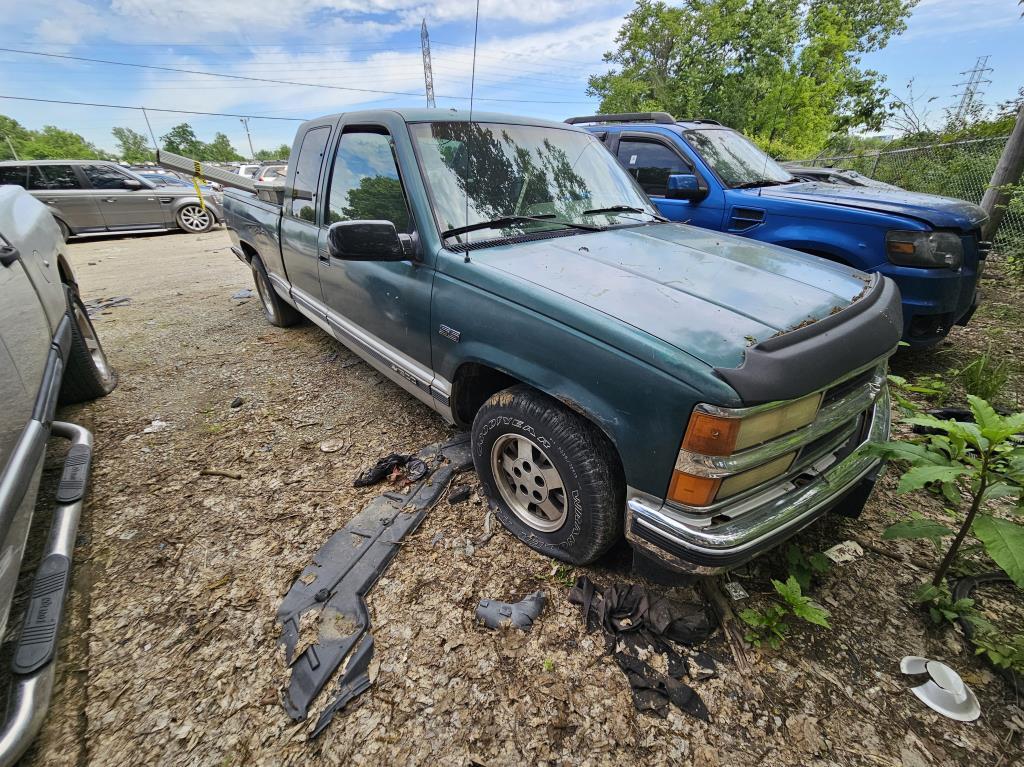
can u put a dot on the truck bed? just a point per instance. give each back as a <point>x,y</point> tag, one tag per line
<point>255,220</point>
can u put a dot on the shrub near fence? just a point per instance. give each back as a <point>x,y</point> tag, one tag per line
<point>959,169</point>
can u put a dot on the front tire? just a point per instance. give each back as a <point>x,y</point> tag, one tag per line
<point>195,218</point>
<point>275,309</point>
<point>553,479</point>
<point>88,374</point>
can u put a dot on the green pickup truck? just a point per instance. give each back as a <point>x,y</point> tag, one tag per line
<point>701,393</point>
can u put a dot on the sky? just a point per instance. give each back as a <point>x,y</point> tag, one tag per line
<point>533,58</point>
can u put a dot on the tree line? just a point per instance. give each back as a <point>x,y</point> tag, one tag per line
<point>53,143</point>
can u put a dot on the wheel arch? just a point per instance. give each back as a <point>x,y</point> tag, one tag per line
<point>67,274</point>
<point>475,381</point>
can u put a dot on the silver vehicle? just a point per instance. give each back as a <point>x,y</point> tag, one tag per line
<point>98,197</point>
<point>49,354</point>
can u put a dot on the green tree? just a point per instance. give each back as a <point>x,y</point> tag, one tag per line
<point>786,72</point>
<point>53,143</point>
<point>281,153</point>
<point>220,150</point>
<point>376,197</point>
<point>15,133</point>
<point>132,146</point>
<point>181,139</point>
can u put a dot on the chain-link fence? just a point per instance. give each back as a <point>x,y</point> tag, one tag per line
<point>959,169</point>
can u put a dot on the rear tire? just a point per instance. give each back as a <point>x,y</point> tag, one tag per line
<point>275,309</point>
<point>553,479</point>
<point>195,218</point>
<point>88,374</point>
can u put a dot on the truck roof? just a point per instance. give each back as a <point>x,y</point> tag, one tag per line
<point>423,115</point>
<point>634,119</point>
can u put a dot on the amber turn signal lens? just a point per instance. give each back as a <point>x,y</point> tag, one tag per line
<point>692,491</point>
<point>711,434</point>
<point>905,248</point>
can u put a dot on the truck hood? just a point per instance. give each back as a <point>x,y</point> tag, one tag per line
<point>708,294</point>
<point>938,212</point>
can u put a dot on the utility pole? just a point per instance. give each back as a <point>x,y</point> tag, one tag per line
<point>972,88</point>
<point>252,152</point>
<point>8,140</point>
<point>428,74</point>
<point>1007,172</point>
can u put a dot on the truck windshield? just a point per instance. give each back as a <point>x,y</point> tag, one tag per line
<point>735,160</point>
<point>507,171</point>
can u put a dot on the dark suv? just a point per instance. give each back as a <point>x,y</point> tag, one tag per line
<point>95,197</point>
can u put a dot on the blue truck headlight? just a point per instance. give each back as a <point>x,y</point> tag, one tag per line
<point>925,249</point>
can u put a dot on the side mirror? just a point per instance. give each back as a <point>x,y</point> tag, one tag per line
<point>132,183</point>
<point>685,186</point>
<point>368,241</point>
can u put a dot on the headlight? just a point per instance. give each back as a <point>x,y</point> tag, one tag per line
<point>717,435</point>
<point>927,249</point>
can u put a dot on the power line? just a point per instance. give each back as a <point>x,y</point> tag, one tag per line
<point>271,80</point>
<point>152,109</point>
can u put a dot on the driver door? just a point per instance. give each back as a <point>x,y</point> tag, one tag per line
<point>124,208</point>
<point>651,161</point>
<point>380,308</point>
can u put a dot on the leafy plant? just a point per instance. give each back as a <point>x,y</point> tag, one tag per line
<point>941,606</point>
<point>973,464</point>
<point>1003,650</point>
<point>806,568</point>
<point>769,626</point>
<point>983,377</point>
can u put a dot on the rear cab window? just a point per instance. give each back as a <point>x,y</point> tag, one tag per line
<point>307,171</point>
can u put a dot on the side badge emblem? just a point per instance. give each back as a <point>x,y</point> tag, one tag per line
<point>450,333</point>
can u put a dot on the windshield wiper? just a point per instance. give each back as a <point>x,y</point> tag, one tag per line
<point>759,182</point>
<point>622,209</point>
<point>504,221</point>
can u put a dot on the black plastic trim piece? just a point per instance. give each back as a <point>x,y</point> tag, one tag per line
<point>37,644</point>
<point>49,389</point>
<point>75,478</point>
<point>8,255</point>
<point>804,360</point>
<point>658,118</point>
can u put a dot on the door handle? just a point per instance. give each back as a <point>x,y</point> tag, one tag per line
<point>8,255</point>
<point>324,258</point>
<point>110,199</point>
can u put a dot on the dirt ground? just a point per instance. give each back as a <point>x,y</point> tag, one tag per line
<point>171,659</point>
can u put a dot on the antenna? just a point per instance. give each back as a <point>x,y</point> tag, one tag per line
<point>469,125</point>
<point>428,73</point>
<point>156,146</point>
<point>972,88</point>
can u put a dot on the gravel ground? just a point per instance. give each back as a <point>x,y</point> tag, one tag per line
<point>171,659</point>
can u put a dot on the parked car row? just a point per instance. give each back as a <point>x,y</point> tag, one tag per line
<point>99,197</point>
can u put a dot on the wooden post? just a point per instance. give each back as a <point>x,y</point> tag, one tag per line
<point>1008,171</point>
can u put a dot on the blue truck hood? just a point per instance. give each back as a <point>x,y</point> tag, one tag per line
<point>708,294</point>
<point>938,212</point>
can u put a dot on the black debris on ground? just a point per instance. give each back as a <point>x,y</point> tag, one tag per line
<point>638,626</point>
<point>390,467</point>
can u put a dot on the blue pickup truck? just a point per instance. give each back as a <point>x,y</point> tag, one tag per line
<point>702,173</point>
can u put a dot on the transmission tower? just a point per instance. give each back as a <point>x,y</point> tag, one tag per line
<point>428,74</point>
<point>971,93</point>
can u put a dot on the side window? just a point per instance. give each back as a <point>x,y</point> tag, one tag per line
<point>651,163</point>
<point>365,184</point>
<point>307,168</point>
<point>13,174</point>
<point>52,177</point>
<point>105,177</point>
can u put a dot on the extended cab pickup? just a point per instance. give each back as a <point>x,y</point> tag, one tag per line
<point>705,174</point>
<point>704,393</point>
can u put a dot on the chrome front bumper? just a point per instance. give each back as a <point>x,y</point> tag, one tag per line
<point>702,546</point>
